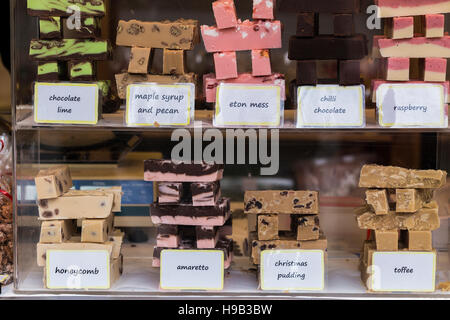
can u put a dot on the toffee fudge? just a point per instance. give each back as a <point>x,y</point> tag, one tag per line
<point>60,207</point>
<point>189,212</point>
<point>400,213</point>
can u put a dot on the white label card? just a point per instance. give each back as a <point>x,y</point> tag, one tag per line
<point>248,105</point>
<point>192,269</point>
<point>411,105</point>
<point>66,103</point>
<point>330,106</point>
<point>403,271</point>
<point>155,105</point>
<point>292,270</point>
<point>78,269</point>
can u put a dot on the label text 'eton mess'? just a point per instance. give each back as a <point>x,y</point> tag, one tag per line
<point>292,270</point>
<point>160,105</point>
<point>201,269</point>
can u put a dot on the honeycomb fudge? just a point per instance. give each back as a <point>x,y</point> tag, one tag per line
<point>375,176</point>
<point>281,202</point>
<point>117,194</point>
<point>378,200</point>
<point>56,231</point>
<point>96,230</point>
<point>53,182</point>
<point>76,204</point>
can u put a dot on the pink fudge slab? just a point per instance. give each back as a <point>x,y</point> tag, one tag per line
<point>377,82</point>
<point>191,221</point>
<point>167,241</point>
<point>402,27</point>
<point>209,241</point>
<point>419,47</point>
<point>261,63</point>
<point>225,65</point>
<point>225,14</point>
<point>397,69</point>
<point>263,9</point>
<point>248,35</point>
<point>434,25</point>
<point>210,83</point>
<point>435,69</point>
<point>401,8</point>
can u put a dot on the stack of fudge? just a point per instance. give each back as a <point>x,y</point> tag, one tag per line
<point>307,46</point>
<point>68,49</point>
<point>61,208</point>
<point>271,207</point>
<point>414,47</point>
<point>230,35</point>
<point>190,212</point>
<point>400,210</point>
<point>174,38</point>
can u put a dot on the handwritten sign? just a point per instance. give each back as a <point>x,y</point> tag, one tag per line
<point>411,105</point>
<point>66,103</point>
<point>403,271</point>
<point>292,270</point>
<point>248,105</point>
<point>78,269</point>
<point>330,106</point>
<point>192,269</point>
<point>160,105</point>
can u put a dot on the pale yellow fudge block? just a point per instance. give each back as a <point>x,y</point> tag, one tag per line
<point>117,193</point>
<point>96,230</point>
<point>419,240</point>
<point>387,240</point>
<point>56,231</point>
<point>426,218</point>
<point>72,244</point>
<point>267,227</point>
<point>378,200</point>
<point>281,202</point>
<point>53,182</point>
<point>77,204</point>
<point>375,176</point>
<point>411,200</point>
<point>116,237</point>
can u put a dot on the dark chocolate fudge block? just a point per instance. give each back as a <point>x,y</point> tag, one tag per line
<point>328,48</point>
<point>320,6</point>
<point>306,72</point>
<point>343,25</point>
<point>349,72</point>
<point>307,24</point>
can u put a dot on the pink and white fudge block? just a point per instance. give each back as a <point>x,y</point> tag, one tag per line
<point>210,83</point>
<point>402,27</point>
<point>418,47</point>
<point>248,35</point>
<point>397,69</point>
<point>263,9</point>
<point>401,8</point>
<point>435,69</point>
<point>261,63</point>
<point>434,25</point>
<point>225,14</point>
<point>225,65</point>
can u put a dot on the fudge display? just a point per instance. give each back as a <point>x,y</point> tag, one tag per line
<point>61,208</point>
<point>174,38</point>
<point>400,212</point>
<point>230,35</point>
<point>302,207</point>
<point>308,46</point>
<point>414,31</point>
<point>189,212</point>
<point>68,50</point>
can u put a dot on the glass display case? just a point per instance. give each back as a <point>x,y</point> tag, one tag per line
<point>326,159</point>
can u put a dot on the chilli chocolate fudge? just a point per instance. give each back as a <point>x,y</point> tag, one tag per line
<point>400,212</point>
<point>189,213</point>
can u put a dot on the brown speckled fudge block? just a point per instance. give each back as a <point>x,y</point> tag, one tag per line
<point>281,202</point>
